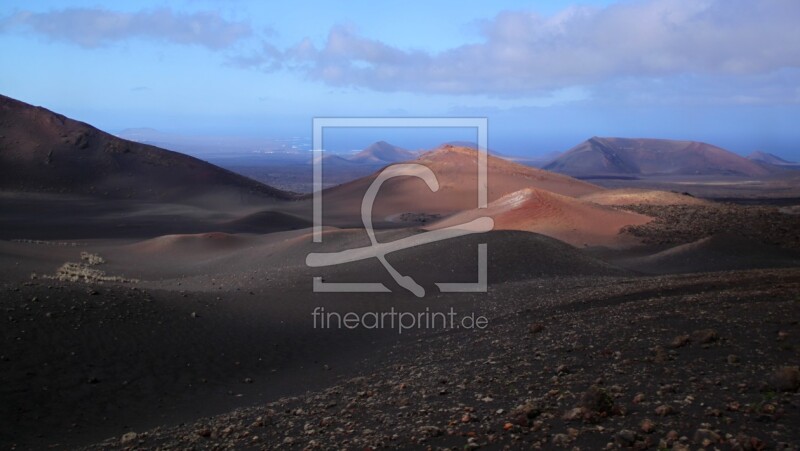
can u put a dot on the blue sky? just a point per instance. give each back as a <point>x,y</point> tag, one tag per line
<point>547,74</point>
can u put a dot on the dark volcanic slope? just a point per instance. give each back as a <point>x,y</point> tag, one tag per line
<point>601,156</point>
<point>42,151</point>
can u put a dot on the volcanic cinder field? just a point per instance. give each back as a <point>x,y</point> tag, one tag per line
<point>153,300</point>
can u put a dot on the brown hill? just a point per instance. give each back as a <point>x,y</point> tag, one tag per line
<point>456,169</point>
<point>606,156</point>
<point>565,218</point>
<point>42,151</point>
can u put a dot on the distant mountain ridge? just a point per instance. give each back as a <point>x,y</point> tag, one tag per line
<point>624,156</point>
<point>42,151</point>
<point>765,157</point>
<point>382,152</point>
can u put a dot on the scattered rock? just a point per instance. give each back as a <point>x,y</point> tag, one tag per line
<point>706,437</point>
<point>705,336</point>
<point>597,400</point>
<point>521,414</point>
<point>561,439</point>
<point>787,378</point>
<point>680,341</point>
<point>664,410</point>
<point>626,437</point>
<point>660,354</point>
<point>128,438</point>
<point>577,413</point>
<point>429,431</point>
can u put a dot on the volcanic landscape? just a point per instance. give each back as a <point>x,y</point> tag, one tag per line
<point>640,293</point>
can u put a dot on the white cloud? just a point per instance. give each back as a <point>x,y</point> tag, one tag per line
<point>524,53</point>
<point>91,28</point>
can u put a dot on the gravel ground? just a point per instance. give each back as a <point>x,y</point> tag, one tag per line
<point>682,362</point>
<point>680,224</point>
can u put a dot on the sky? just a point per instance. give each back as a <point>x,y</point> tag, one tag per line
<point>547,74</point>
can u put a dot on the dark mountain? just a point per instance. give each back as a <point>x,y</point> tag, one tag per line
<point>329,160</point>
<point>382,152</point>
<point>617,156</point>
<point>42,151</point>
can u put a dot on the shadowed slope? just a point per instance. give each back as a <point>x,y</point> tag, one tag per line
<point>722,252</point>
<point>453,260</point>
<point>265,222</point>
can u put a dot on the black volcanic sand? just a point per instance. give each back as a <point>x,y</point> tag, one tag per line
<point>46,152</point>
<point>697,361</point>
<point>715,253</point>
<point>71,217</point>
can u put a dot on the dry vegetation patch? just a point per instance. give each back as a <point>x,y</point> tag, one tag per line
<point>85,271</point>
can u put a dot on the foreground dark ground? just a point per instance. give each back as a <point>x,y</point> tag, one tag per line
<point>574,361</point>
<point>676,361</point>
